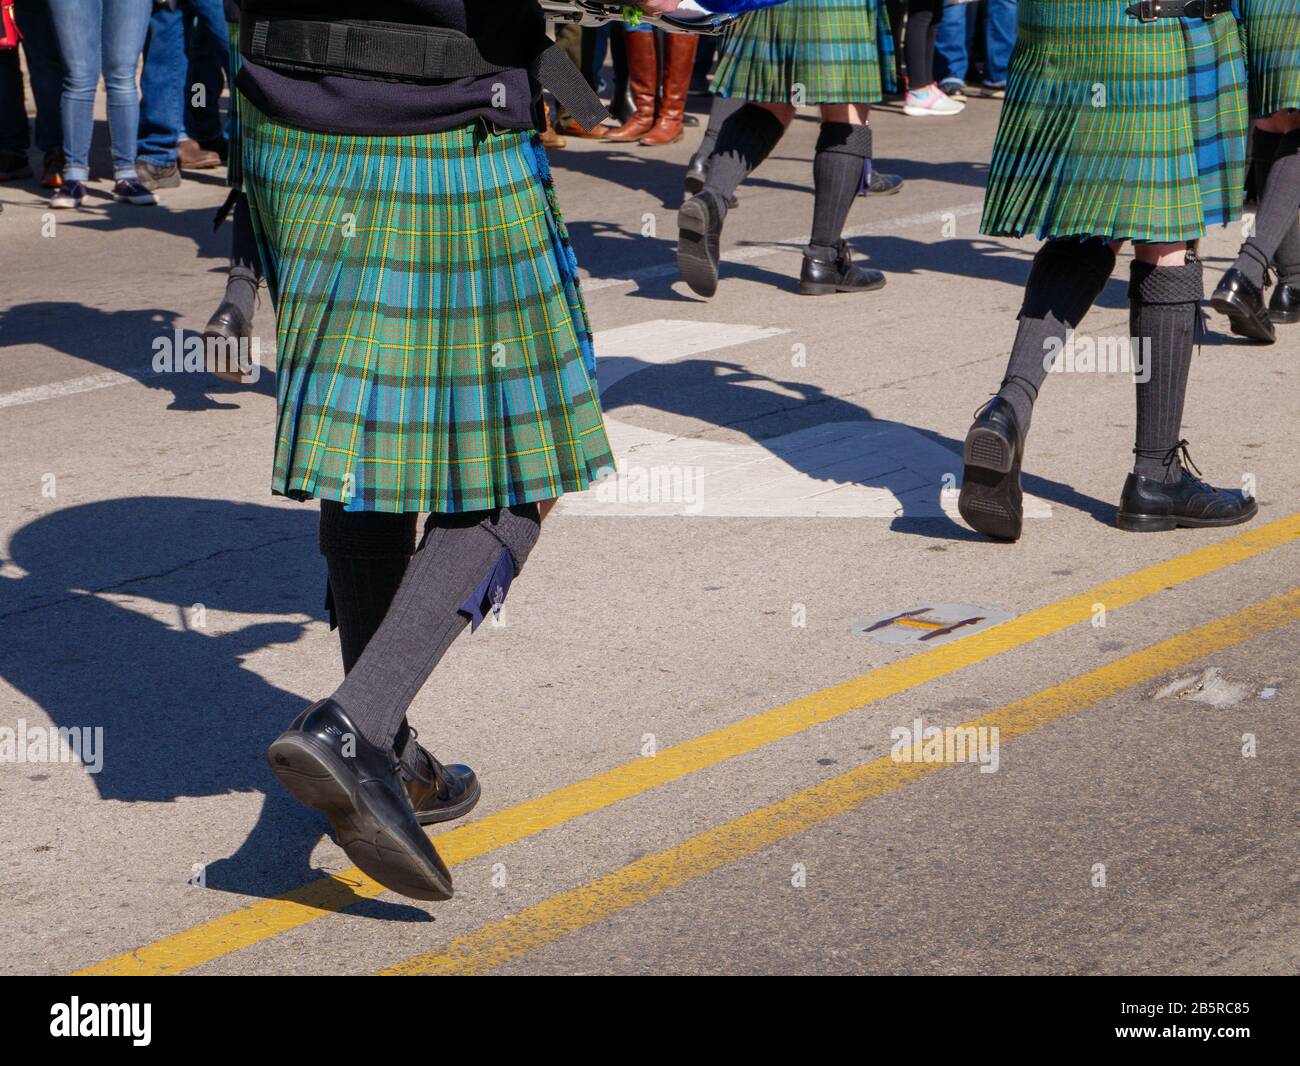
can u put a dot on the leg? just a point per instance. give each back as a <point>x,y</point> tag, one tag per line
<point>162,89</point>
<point>1240,295</point>
<point>208,48</point>
<point>15,135</point>
<point>924,98</point>
<point>1165,293</point>
<point>745,139</point>
<point>697,170</point>
<point>679,62</point>
<point>1067,276</point>
<point>951,59</point>
<point>126,24</point>
<point>999,40</point>
<point>78,26</point>
<point>843,149</point>
<point>231,325</point>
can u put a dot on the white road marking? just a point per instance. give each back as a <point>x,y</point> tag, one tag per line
<point>847,469</point>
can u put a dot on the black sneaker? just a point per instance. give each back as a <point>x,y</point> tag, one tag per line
<point>699,235</point>
<point>70,194</point>
<point>1151,505</point>
<point>991,501</point>
<point>828,270</point>
<point>1240,299</point>
<point>155,176</point>
<point>326,762</point>
<point>134,191</point>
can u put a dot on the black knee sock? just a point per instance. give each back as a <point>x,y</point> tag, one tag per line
<point>745,139</point>
<point>366,553</point>
<point>463,566</point>
<point>245,267</point>
<point>723,108</point>
<point>837,176</point>
<point>1065,280</point>
<point>1279,202</point>
<point>1163,308</point>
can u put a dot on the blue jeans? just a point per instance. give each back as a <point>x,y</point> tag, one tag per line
<point>45,67</point>
<point>100,36</point>
<point>168,77</point>
<point>957,30</point>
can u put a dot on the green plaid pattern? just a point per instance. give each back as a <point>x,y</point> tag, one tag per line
<point>433,348</point>
<point>805,52</point>
<point>1118,128</point>
<point>1272,31</point>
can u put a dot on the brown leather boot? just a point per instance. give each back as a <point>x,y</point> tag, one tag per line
<point>643,73</point>
<point>679,62</point>
<point>192,156</point>
<point>551,139</point>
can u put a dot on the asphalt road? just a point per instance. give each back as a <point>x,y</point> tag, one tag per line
<point>685,739</point>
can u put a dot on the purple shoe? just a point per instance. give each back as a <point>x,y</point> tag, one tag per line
<point>133,191</point>
<point>70,194</point>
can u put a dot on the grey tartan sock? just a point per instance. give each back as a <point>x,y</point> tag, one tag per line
<point>1163,307</point>
<point>1065,280</point>
<point>464,563</point>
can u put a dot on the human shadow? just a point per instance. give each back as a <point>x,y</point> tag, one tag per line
<point>110,626</point>
<point>127,341</point>
<point>783,415</point>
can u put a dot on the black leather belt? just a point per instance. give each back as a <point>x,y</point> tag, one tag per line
<point>387,51</point>
<point>1150,10</point>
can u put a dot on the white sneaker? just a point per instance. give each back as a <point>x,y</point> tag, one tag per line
<point>930,101</point>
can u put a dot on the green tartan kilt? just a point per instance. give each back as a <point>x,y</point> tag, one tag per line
<point>1272,31</point>
<point>804,52</point>
<point>1117,128</point>
<point>433,348</point>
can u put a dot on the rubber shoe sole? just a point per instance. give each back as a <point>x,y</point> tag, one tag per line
<point>317,778</point>
<point>696,261</point>
<point>1148,523</point>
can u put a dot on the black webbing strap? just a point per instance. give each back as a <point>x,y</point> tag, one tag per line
<point>395,52</point>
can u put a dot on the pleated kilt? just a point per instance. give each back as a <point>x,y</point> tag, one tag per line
<point>433,347</point>
<point>807,52</point>
<point>1272,32</point>
<point>1118,128</point>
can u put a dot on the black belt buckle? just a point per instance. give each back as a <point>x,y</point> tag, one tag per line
<point>1148,10</point>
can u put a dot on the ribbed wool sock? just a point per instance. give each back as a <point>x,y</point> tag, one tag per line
<point>745,139</point>
<point>723,108</point>
<point>837,176</point>
<point>1065,280</point>
<point>245,267</point>
<point>1279,202</point>
<point>464,565</point>
<point>1163,308</point>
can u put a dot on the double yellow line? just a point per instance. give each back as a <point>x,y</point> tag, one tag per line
<point>259,921</point>
<point>654,875</point>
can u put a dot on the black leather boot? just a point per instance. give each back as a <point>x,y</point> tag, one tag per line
<point>326,762</point>
<point>1150,505</point>
<point>1241,300</point>
<point>1285,305</point>
<point>699,236</point>
<point>991,499</point>
<point>438,793</point>
<point>828,270</point>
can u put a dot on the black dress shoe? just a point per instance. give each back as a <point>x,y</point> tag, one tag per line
<point>697,173</point>
<point>832,270</point>
<point>1285,304</point>
<point>440,793</point>
<point>225,339</point>
<point>326,762</point>
<point>1240,299</point>
<point>1150,505</point>
<point>991,500</point>
<point>699,226</point>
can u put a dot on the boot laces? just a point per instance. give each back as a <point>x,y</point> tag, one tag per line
<point>1179,454</point>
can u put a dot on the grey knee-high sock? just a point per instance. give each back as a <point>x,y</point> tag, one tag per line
<point>463,566</point>
<point>366,553</point>
<point>1065,280</point>
<point>1163,309</point>
<point>722,109</point>
<point>245,266</point>
<point>745,139</point>
<point>1279,202</point>
<point>837,176</point>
